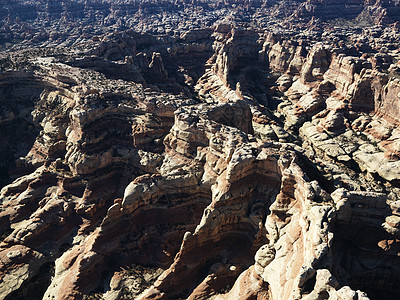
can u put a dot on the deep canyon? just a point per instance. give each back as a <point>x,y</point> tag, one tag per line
<point>236,149</point>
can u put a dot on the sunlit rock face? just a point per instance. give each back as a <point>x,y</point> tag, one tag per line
<point>252,154</point>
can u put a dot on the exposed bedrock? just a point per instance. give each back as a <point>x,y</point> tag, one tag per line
<point>337,251</point>
<point>365,245</point>
<point>246,179</point>
<point>91,146</point>
<point>235,65</point>
<point>341,105</point>
<point>223,163</point>
<point>173,64</point>
<point>18,93</point>
<point>133,232</point>
<point>382,11</point>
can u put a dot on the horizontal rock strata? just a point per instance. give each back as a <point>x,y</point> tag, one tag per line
<point>244,158</point>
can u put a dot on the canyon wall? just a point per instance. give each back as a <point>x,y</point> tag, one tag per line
<point>220,163</point>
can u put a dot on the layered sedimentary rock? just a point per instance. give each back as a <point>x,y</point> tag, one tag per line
<point>217,163</point>
<point>77,22</point>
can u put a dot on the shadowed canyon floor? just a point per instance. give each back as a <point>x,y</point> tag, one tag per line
<point>252,154</point>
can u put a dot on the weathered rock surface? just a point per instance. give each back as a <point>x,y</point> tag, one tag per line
<point>253,154</point>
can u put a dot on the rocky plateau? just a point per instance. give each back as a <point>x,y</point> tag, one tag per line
<point>227,149</point>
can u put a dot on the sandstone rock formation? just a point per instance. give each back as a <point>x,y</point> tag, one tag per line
<point>251,156</point>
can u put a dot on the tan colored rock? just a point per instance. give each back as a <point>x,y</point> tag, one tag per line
<point>126,167</point>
